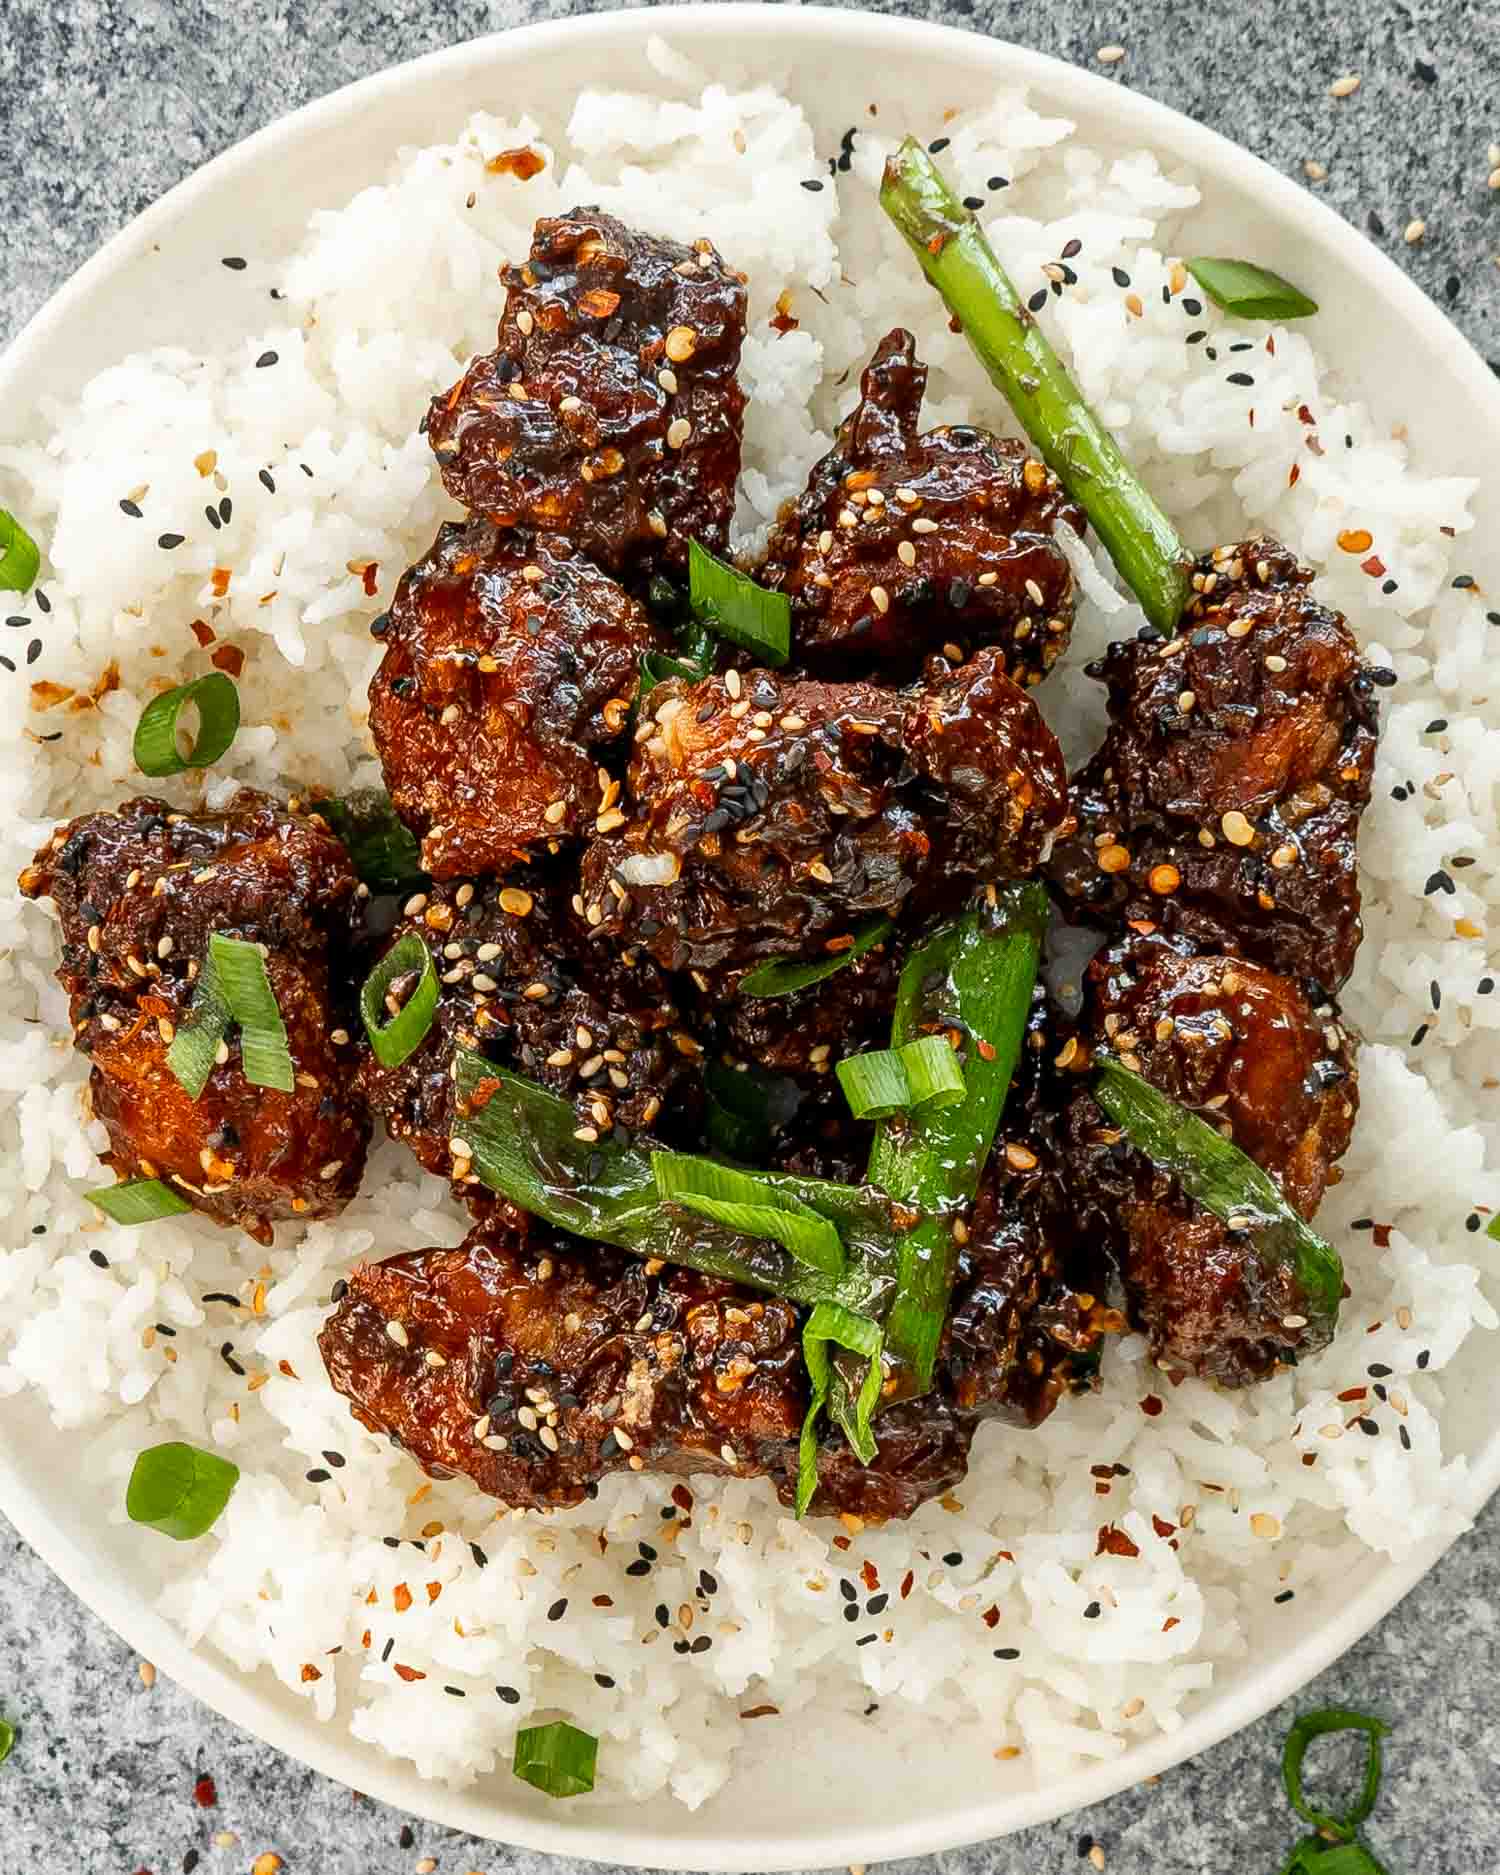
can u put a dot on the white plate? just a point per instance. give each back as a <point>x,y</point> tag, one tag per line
<point>824,1794</point>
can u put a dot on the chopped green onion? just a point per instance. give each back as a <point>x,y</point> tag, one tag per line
<point>7,1739</point>
<point>179,1490</point>
<point>749,1204</point>
<point>933,1073</point>
<point>20,557</point>
<point>782,975</point>
<point>1250,292</point>
<point>747,1107</point>
<point>1315,1725</point>
<point>405,1032</point>
<point>1231,1185</point>
<point>875,1083</point>
<point>217,702</point>
<point>975,974</point>
<point>195,1046</point>
<point>738,609</point>
<point>950,247</point>
<point>557,1758</point>
<point>831,1325</point>
<point>382,848</point>
<point>240,973</point>
<point>658,668</point>
<point>138,1201</point>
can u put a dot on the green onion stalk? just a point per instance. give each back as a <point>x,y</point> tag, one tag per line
<point>951,249</point>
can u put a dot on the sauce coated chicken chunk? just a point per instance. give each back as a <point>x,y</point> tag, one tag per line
<point>609,411</point>
<point>904,543</point>
<point>509,667</point>
<point>1225,800</point>
<point>139,891</point>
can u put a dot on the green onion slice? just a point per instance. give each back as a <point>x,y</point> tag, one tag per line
<point>218,704</point>
<point>7,1739</point>
<point>737,609</point>
<point>138,1201</point>
<point>831,1326</point>
<point>933,1072</point>
<point>747,1108</point>
<point>557,1758</point>
<point>875,1083</point>
<point>750,1204</point>
<point>1250,292</point>
<point>241,979</point>
<point>196,1043</point>
<point>179,1490</point>
<point>1228,1183</point>
<point>20,557</point>
<point>782,975</point>
<point>403,1033</point>
<point>658,668</point>
<point>382,849</point>
<point>1314,1725</point>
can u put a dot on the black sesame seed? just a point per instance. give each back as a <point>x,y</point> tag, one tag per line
<point>877,1604</point>
<point>509,1695</point>
<point>408,1836</point>
<point>1424,1357</point>
<point>1192,307</point>
<point>388,1649</point>
<point>339,1290</point>
<point>679,1647</point>
<point>266,482</point>
<point>1083,1846</point>
<point>391,1542</point>
<point>1038,299</point>
<point>1437,882</point>
<point>226,1354</point>
<point>558,1609</point>
<point>638,1569</point>
<point>647,1551</point>
<point>663,1615</point>
<point>865,1640</point>
<point>129,507</point>
<point>1419,1036</point>
<point>98,1259</point>
<point>234,262</point>
<point>1239,377</point>
<point>1383,675</point>
<point>813,186</point>
<point>1463,581</point>
<point>1471,1222</point>
<point>604,1680</point>
<point>972,202</point>
<point>954,1558</point>
<point>1427,73</point>
<point>1119,276</point>
<point>1388,586</point>
<point>848,1590</point>
<point>212,515</point>
<point>1377,1370</point>
<point>1436,726</point>
<point>336,1459</point>
<point>1486,984</point>
<point>480,1559</point>
<point>1286,1595</point>
<point>1070,248</point>
<point>1435,993</point>
<point>1007,1653</point>
<point>317,1475</point>
<point>190,1861</point>
<point>44,604</point>
<point>1196,338</point>
<point>169,541</point>
<point>1369,1427</point>
<point>18,621</point>
<point>1405,1438</point>
<point>851,1611</point>
<point>701,1645</point>
<point>226,509</point>
<point>1375,225</point>
<point>1092,1612</point>
<point>708,1582</point>
<point>938,145</point>
<point>266,358</point>
<point>998,182</point>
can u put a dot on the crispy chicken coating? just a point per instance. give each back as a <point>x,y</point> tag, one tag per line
<point>1224,802</point>
<point>138,892</point>
<point>771,812</point>
<point>1246,1049</point>
<point>903,544</point>
<point>609,411</point>
<point>509,667</point>
<point>520,982</point>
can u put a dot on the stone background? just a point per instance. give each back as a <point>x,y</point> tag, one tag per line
<point>103,106</point>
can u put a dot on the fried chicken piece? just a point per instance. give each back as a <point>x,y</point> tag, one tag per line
<point>509,666</point>
<point>609,411</point>
<point>903,543</point>
<point>520,981</point>
<point>1224,802</point>
<point>138,892</point>
<point>771,813</point>
<point>1248,1051</point>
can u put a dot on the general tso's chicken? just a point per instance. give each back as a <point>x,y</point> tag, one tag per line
<point>904,544</point>
<point>509,667</point>
<point>139,891</point>
<point>773,813</point>
<point>609,411</point>
<point>1246,1050</point>
<point>519,981</point>
<point>536,1365</point>
<point>1224,802</point>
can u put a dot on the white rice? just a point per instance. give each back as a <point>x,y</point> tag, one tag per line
<point>1279,1491</point>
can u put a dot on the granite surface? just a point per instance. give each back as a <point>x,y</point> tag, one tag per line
<point>104,104</point>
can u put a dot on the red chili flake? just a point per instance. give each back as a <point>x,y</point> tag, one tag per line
<point>604,1601</point>
<point>482,1094</point>
<point>906,1583</point>
<point>1355,1393</point>
<point>1004,1555</point>
<point>1374,566</point>
<point>761,1712</point>
<point>1309,1458</point>
<point>202,631</point>
<point>955,324</point>
<point>782,320</point>
<point>1294,475</point>
<point>1100,1489</point>
<point>310,1672</point>
<point>228,658</point>
<point>364,1640</point>
<point>682,1497</point>
<point>219,581</point>
<point>205,1792</point>
<point>1449,532</point>
<point>936,244</point>
<point>986,1049</point>
<point>1161,1526</point>
<point>870,1576</point>
<point>372,579</point>
<point>1151,1406</point>
<point>842,1542</point>
<point>1381,1236</point>
<point>598,302</point>
<point>1142,927</point>
<point>401,1597</point>
<point>1252,416</point>
<point>434,1589</point>
<point>286,1368</point>
<point>991,1616</point>
<point>1113,1542</point>
<point>1271,343</point>
<point>1102,1471</point>
<point>409,1673</point>
<point>1171,1622</point>
<point>523,164</point>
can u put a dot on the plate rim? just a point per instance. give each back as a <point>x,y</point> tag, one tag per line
<point>238,1696</point>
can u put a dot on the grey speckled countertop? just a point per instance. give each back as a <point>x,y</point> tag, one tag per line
<point>106,105</point>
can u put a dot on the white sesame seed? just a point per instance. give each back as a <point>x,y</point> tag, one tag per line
<point>667,379</point>
<point>397,1334</point>
<point>923,526</point>
<point>1344,87</point>
<point>1413,231</point>
<point>1110,55</point>
<point>678,432</point>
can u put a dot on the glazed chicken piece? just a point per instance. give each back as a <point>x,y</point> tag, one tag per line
<point>609,411</point>
<point>1224,802</point>
<point>904,544</point>
<point>138,892</point>
<point>509,667</point>
<point>1247,1050</point>
<point>519,980</point>
<point>772,813</point>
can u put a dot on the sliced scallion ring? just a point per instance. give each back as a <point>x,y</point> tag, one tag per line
<point>138,1201</point>
<point>217,701</point>
<point>738,609</point>
<point>782,975</point>
<point>746,1203</point>
<point>240,971</point>
<point>178,1489</point>
<point>558,1758</point>
<point>933,1072</point>
<point>195,1046</point>
<point>398,1036</point>
<point>875,1084</point>
<point>20,557</point>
